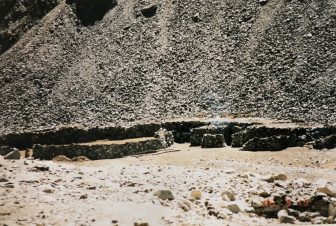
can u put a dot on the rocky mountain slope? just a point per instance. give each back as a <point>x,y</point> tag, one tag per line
<point>118,61</point>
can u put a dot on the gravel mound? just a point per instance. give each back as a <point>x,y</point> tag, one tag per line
<point>142,60</point>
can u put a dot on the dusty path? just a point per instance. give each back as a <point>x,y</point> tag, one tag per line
<point>122,190</point>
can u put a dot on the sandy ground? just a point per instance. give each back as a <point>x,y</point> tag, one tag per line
<point>121,191</point>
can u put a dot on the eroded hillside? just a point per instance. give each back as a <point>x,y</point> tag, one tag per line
<point>146,60</point>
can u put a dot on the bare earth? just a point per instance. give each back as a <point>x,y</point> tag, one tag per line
<point>121,191</point>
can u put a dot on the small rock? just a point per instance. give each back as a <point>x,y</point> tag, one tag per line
<point>280,176</point>
<point>228,196</point>
<point>80,159</point>
<point>41,168</point>
<point>285,218</point>
<point>196,18</point>
<point>48,191</point>
<point>257,204</point>
<point>264,194</point>
<point>325,187</point>
<point>14,155</point>
<point>331,220</point>
<point>2,180</point>
<point>196,194</point>
<point>141,224</point>
<point>183,206</point>
<point>165,194</point>
<point>61,158</point>
<point>269,179</point>
<point>332,208</point>
<point>237,206</point>
<point>8,186</point>
<point>83,197</point>
<point>294,213</point>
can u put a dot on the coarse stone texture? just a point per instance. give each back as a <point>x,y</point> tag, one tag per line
<point>273,143</point>
<point>274,59</point>
<point>213,141</point>
<point>18,16</point>
<point>263,137</point>
<point>105,149</point>
<point>68,135</point>
<point>197,134</point>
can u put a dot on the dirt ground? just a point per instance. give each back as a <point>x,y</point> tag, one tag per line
<point>121,191</point>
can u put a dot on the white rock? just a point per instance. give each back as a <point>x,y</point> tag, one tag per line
<point>326,187</point>
<point>228,196</point>
<point>284,218</point>
<point>183,206</point>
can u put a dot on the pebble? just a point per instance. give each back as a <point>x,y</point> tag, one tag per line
<point>196,194</point>
<point>237,206</point>
<point>165,194</point>
<point>183,206</point>
<point>2,180</point>
<point>228,196</point>
<point>141,224</point>
<point>48,191</point>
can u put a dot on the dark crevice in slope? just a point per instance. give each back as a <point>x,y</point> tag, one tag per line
<point>89,12</point>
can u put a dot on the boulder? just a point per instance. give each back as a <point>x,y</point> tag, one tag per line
<point>213,141</point>
<point>13,155</point>
<point>328,142</point>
